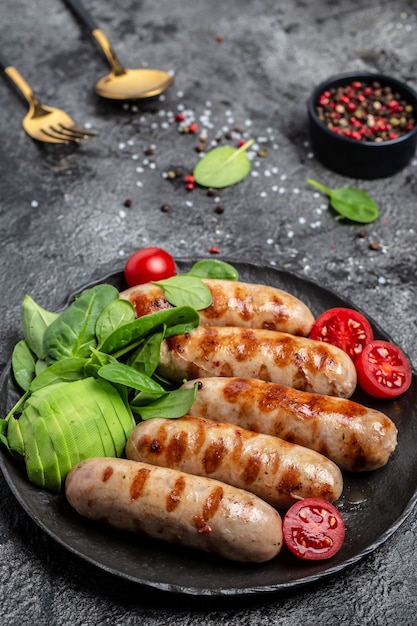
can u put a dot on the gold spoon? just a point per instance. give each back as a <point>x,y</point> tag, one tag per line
<point>121,83</point>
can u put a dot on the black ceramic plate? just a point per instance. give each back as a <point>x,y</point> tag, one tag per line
<point>373,504</point>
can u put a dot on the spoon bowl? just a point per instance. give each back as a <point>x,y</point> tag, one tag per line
<point>134,84</point>
<point>121,83</point>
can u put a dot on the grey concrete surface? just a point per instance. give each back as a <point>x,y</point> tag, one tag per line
<point>64,220</point>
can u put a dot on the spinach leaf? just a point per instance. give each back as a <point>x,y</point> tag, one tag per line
<point>213,268</point>
<point>73,332</point>
<point>186,290</point>
<point>65,370</point>
<point>125,375</point>
<point>97,360</point>
<point>223,166</point>
<point>173,404</point>
<point>146,358</point>
<point>182,317</point>
<point>35,320</point>
<point>350,202</point>
<point>117,313</point>
<point>23,364</point>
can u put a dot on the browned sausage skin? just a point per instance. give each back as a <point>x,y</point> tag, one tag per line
<point>355,437</point>
<point>255,353</point>
<point>235,304</point>
<point>277,471</point>
<point>176,507</point>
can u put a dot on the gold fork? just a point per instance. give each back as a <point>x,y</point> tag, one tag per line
<point>42,122</point>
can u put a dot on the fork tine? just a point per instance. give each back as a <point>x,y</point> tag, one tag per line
<point>73,133</point>
<point>79,129</point>
<point>58,136</point>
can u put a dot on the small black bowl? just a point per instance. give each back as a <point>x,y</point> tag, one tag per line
<point>361,159</point>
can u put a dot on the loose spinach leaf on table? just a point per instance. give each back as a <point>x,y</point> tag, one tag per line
<point>223,166</point>
<point>354,204</point>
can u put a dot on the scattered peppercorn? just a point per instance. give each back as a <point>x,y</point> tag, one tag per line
<point>366,112</point>
<point>165,208</point>
<point>127,203</point>
<point>362,233</point>
<point>212,193</point>
<point>214,250</point>
<point>200,147</point>
<point>374,245</point>
<point>189,182</point>
<point>149,151</point>
<point>219,209</point>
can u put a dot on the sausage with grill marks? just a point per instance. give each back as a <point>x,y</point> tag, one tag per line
<point>235,304</point>
<point>355,437</point>
<point>269,355</point>
<point>277,471</point>
<point>177,507</point>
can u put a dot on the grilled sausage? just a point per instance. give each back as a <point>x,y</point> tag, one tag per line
<point>275,470</point>
<point>355,437</point>
<point>255,353</point>
<point>235,304</point>
<point>176,507</point>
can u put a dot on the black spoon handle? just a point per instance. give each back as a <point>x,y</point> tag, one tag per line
<point>80,10</point>
<point>4,62</point>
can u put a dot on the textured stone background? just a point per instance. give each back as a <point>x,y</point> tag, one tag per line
<point>246,64</point>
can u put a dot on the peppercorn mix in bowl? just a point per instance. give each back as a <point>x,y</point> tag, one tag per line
<point>363,125</point>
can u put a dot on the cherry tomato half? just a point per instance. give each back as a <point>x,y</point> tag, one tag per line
<point>345,328</point>
<point>149,264</point>
<point>383,370</point>
<point>313,529</point>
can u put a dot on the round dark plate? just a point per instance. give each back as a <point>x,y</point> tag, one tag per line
<point>373,504</point>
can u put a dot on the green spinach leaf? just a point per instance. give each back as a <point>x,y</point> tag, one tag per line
<point>65,370</point>
<point>173,404</point>
<point>73,332</point>
<point>125,375</point>
<point>23,364</point>
<point>124,337</point>
<point>35,321</point>
<point>146,358</point>
<point>350,202</point>
<point>214,268</point>
<point>186,290</point>
<point>117,313</point>
<point>223,166</point>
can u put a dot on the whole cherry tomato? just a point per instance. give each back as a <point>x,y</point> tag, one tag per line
<point>313,529</point>
<point>149,264</point>
<point>383,370</point>
<point>345,328</point>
